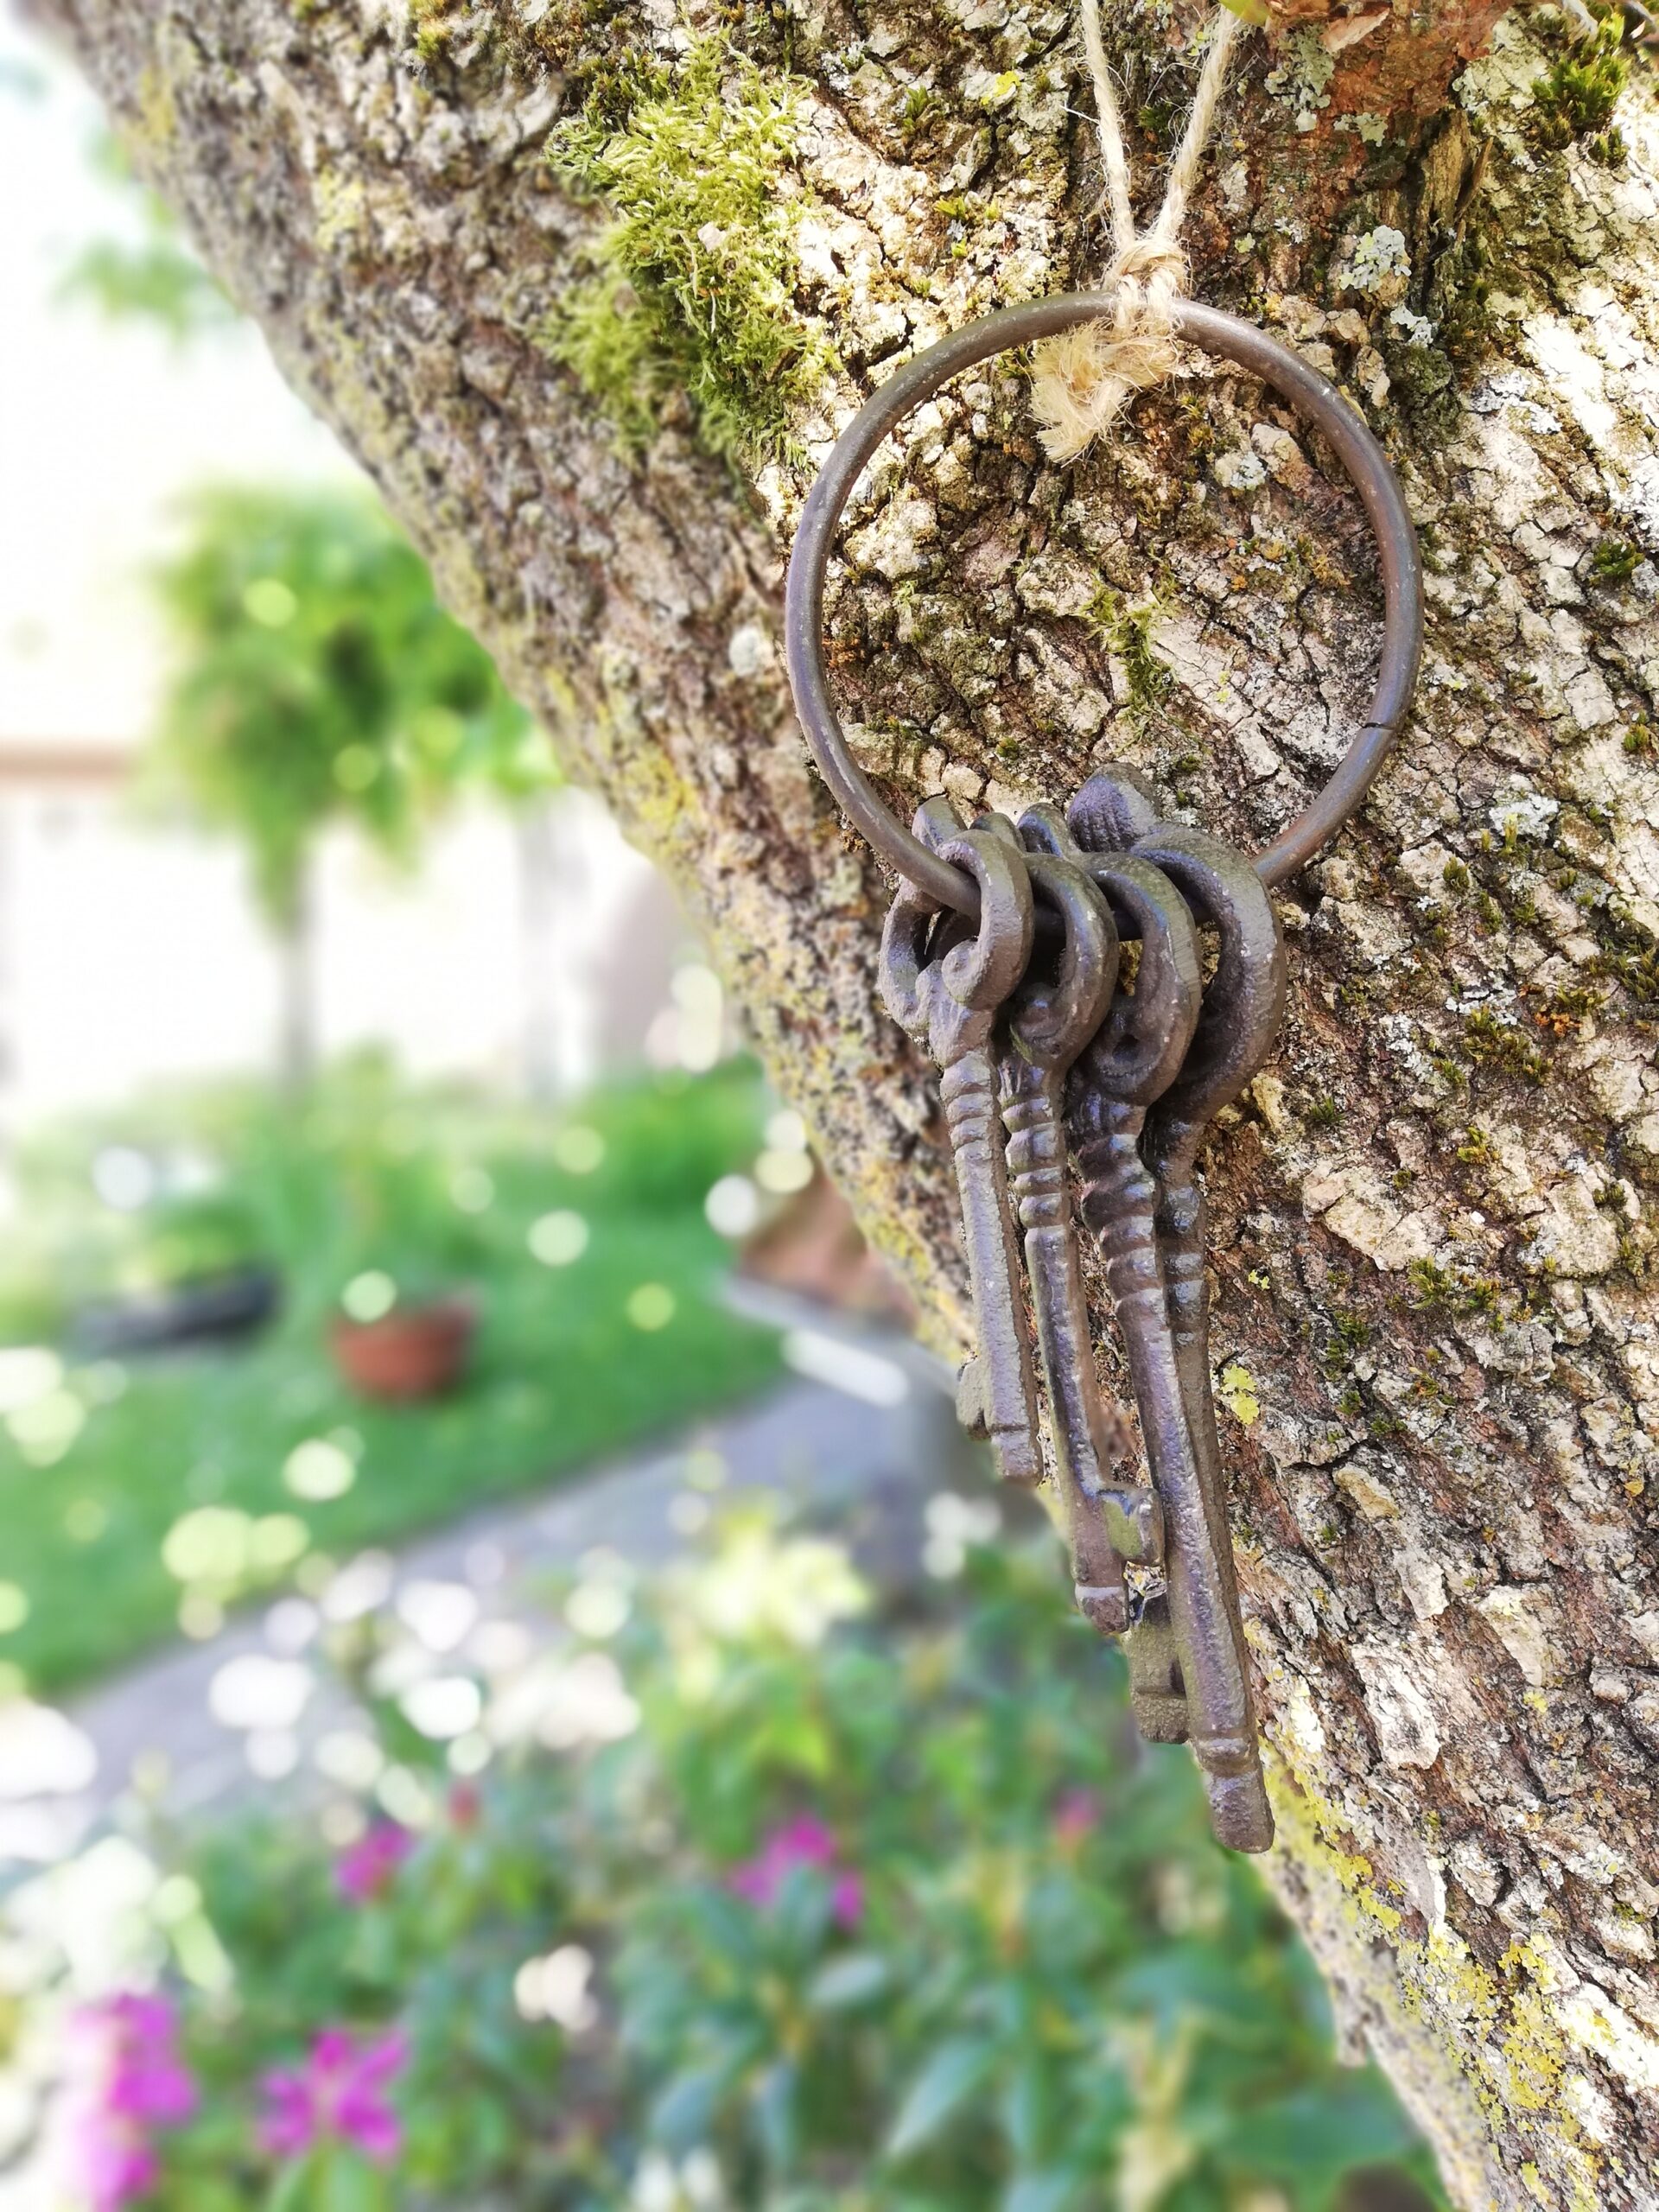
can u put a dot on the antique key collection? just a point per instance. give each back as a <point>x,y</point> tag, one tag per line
<point>1001,955</point>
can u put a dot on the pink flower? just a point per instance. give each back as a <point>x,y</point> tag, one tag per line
<point>366,1869</point>
<point>1076,1814</point>
<point>132,2081</point>
<point>338,2096</point>
<point>804,1842</point>
<point>846,1900</point>
<point>116,2169</point>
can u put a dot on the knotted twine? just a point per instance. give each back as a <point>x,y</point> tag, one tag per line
<point>1081,378</point>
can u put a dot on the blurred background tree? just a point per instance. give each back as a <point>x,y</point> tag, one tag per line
<point>150,274</point>
<point>320,681</point>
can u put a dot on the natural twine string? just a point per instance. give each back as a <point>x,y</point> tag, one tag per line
<point>1082,376</point>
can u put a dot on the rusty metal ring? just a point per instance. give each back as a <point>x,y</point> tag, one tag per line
<point>1224,337</point>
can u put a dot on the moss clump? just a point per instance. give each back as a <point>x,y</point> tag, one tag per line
<point>1490,1043</point>
<point>1615,560</point>
<point>1576,96</point>
<point>1459,292</point>
<point>614,344</point>
<point>1508,1049</point>
<point>1424,381</point>
<point>1628,952</point>
<point>427,18</point>
<point>1563,1013</point>
<point>692,287</point>
<point>1448,1290</point>
<point>1350,1333</point>
<point>1126,630</point>
<point>919,106</point>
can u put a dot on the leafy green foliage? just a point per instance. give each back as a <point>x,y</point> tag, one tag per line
<point>102,1462</point>
<point>152,281</point>
<point>319,678</point>
<point>149,276</point>
<point>1000,1965</point>
<point>692,289</point>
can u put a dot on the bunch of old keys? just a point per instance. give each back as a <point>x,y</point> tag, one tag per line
<point>1044,1056</point>
<point>1002,954</point>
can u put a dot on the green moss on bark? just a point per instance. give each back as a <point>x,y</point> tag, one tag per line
<point>1575,97</point>
<point>691,284</point>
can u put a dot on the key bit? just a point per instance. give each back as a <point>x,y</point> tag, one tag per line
<point>1051,1017</point>
<point>947,995</point>
<point>1136,1058</point>
<point>1157,1692</point>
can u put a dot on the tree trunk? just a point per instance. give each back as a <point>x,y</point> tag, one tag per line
<point>1433,1223</point>
<point>296,984</point>
<point>546,1044</point>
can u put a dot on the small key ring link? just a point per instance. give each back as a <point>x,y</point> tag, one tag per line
<point>1223,336</point>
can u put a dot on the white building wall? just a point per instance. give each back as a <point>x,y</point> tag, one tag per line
<point>132,953</point>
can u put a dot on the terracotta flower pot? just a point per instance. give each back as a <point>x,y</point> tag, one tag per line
<point>413,1353</point>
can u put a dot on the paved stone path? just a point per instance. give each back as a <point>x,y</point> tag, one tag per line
<point>862,1435</point>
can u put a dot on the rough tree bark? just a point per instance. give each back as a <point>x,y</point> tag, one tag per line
<point>1434,1220</point>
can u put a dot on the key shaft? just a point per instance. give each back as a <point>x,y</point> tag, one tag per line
<point>947,996</point>
<point>998,1392</point>
<point>1055,1010</point>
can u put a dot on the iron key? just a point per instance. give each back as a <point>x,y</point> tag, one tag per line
<point>1241,1009</point>
<point>1052,1016</point>
<point>1192,1653</point>
<point>947,996</point>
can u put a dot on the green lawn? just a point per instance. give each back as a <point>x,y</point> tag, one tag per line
<point>134,1491</point>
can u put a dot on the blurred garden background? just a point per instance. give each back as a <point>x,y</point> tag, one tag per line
<point>513,1693</point>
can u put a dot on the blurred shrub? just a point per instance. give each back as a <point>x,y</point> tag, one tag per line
<point>318,679</point>
<point>759,1901</point>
